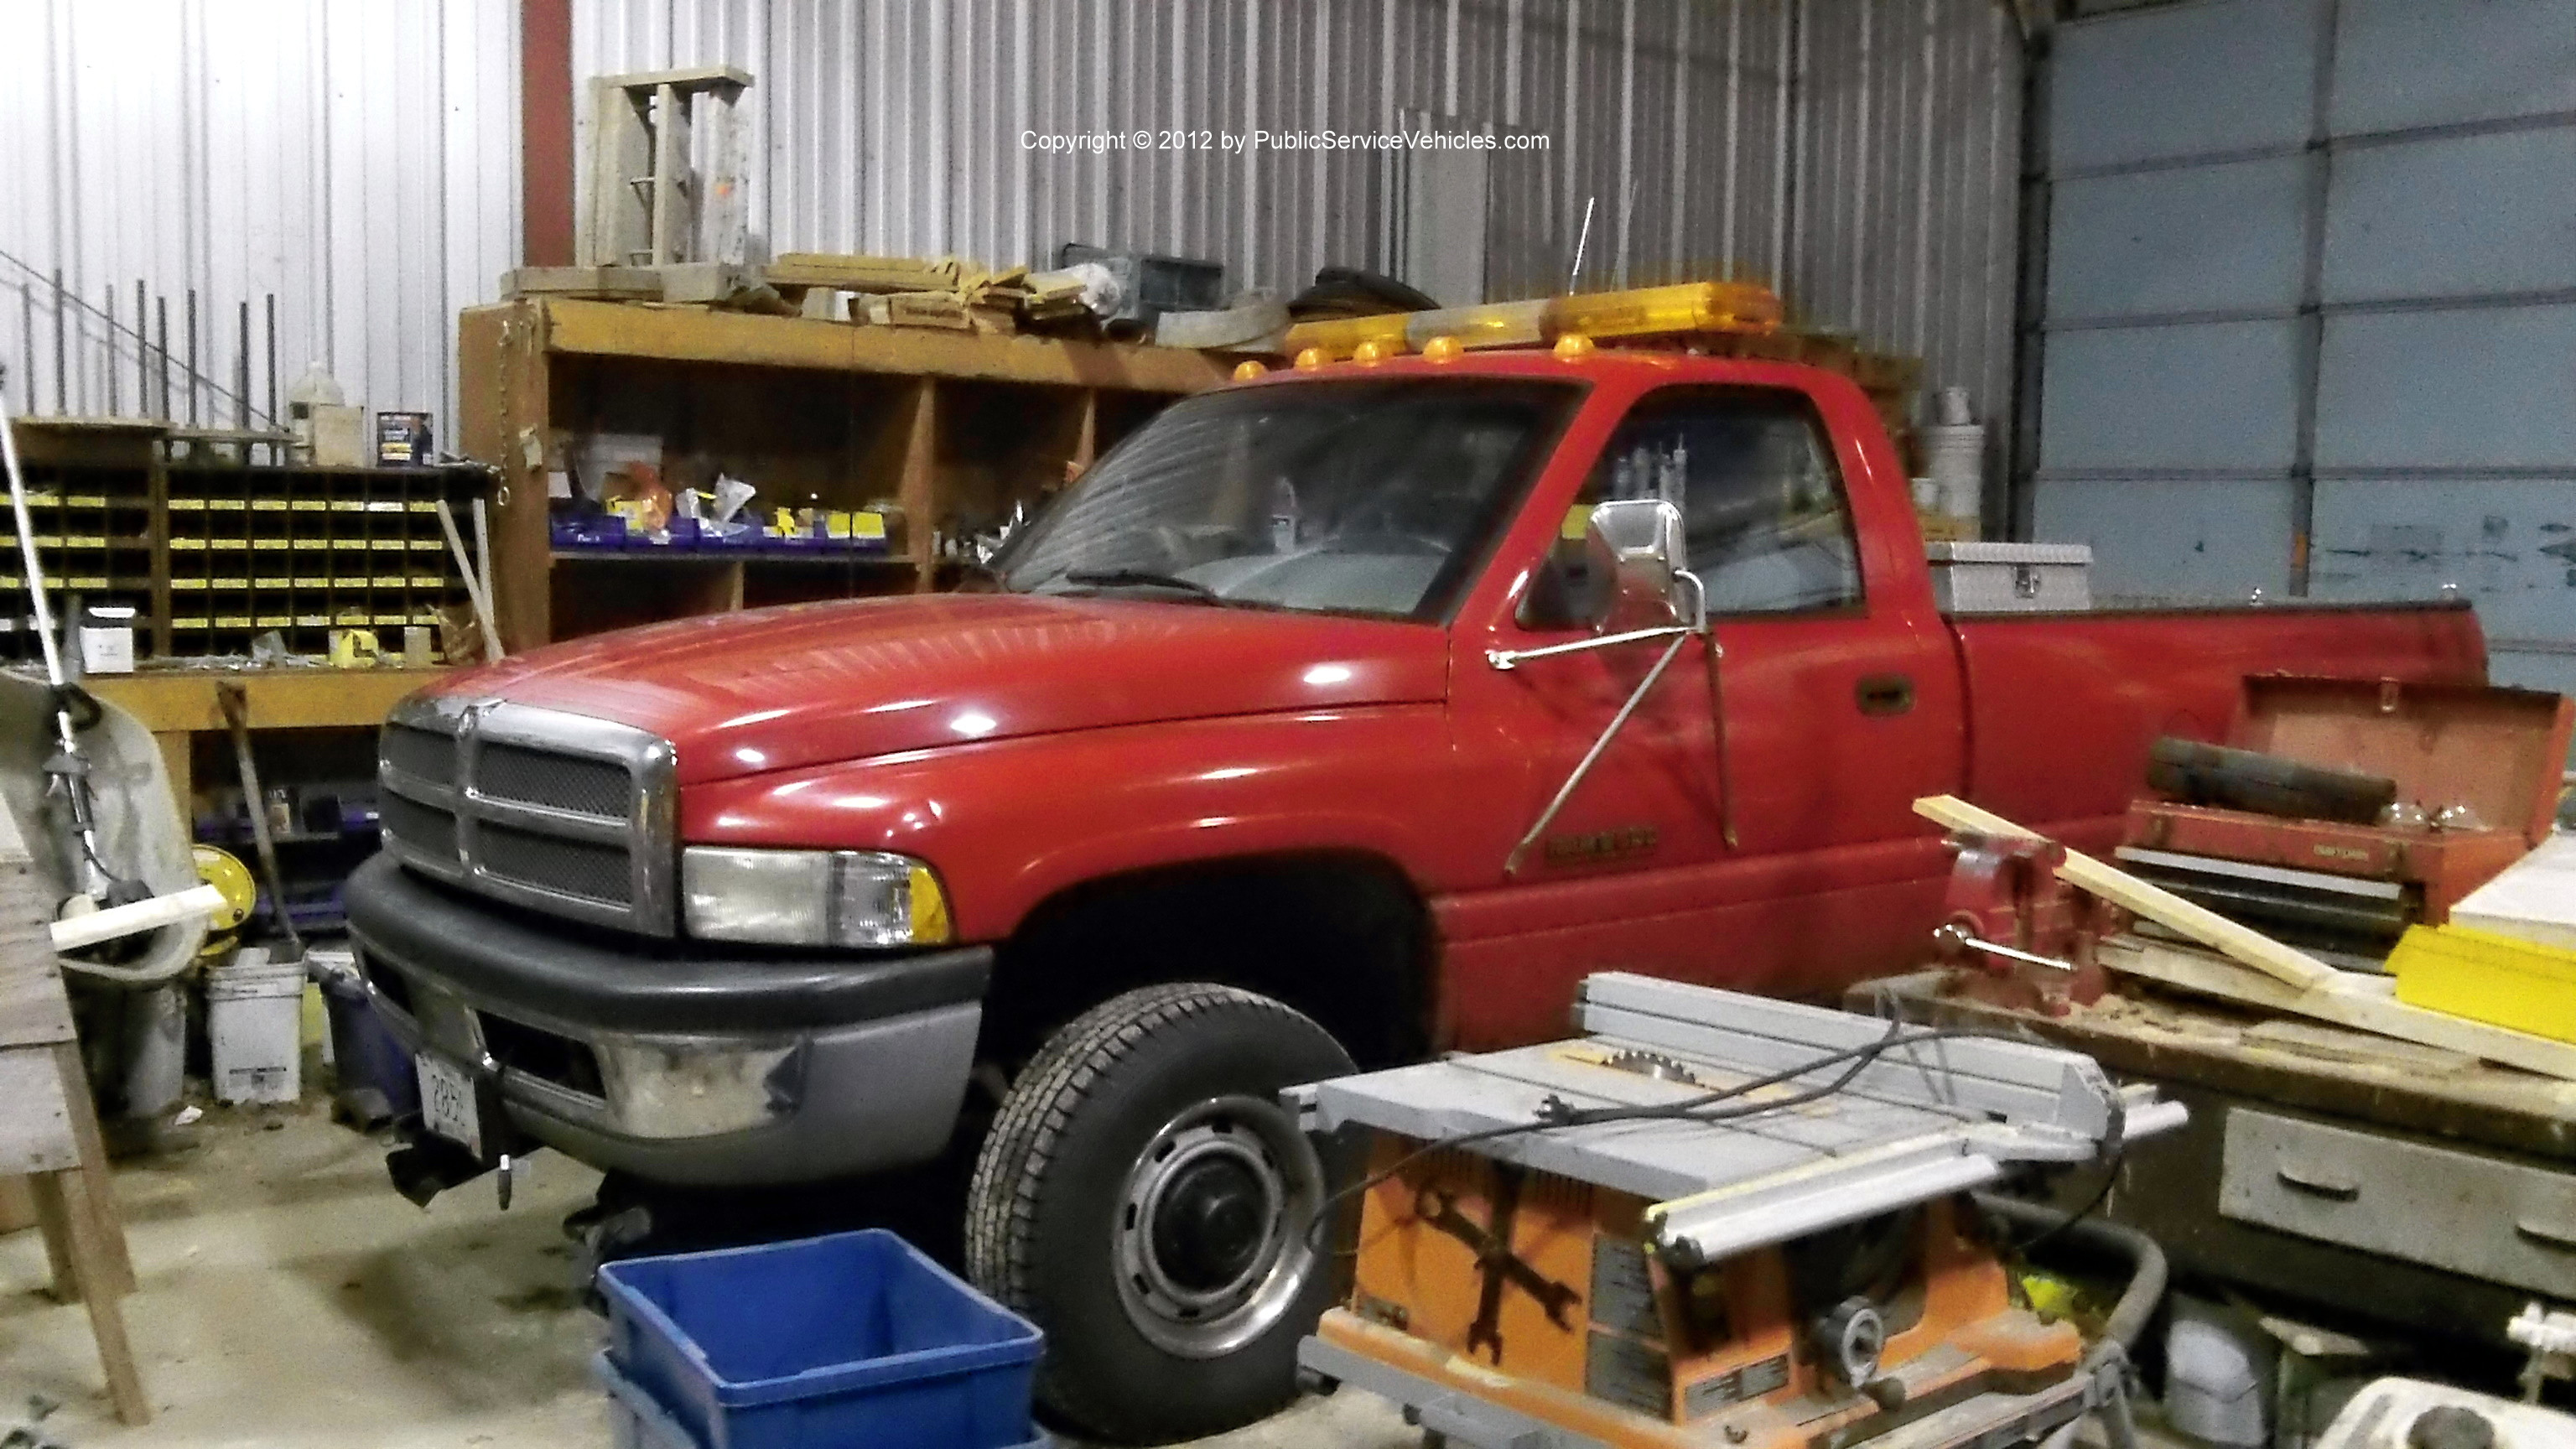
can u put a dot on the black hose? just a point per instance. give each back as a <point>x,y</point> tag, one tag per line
<point>2147,1271</point>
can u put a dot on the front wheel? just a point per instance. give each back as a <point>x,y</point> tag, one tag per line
<point>1144,1197</point>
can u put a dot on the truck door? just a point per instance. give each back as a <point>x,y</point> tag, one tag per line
<point>1779,852</point>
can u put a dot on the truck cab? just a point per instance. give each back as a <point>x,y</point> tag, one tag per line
<point>1348,713</point>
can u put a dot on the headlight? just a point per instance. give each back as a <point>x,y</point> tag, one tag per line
<point>812,897</point>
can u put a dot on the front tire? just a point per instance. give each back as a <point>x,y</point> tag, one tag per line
<point>1145,1198</point>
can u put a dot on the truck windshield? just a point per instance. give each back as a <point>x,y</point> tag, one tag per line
<point>1341,497</point>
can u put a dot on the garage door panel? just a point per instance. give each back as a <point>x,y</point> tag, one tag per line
<point>2477,387</point>
<point>2206,395</point>
<point>2457,216</point>
<point>2553,670</point>
<point>2509,545</point>
<point>2402,63</point>
<point>2164,538</point>
<point>2181,82</point>
<point>2197,238</point>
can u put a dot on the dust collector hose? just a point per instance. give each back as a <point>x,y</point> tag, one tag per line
<point>2147,1270</point>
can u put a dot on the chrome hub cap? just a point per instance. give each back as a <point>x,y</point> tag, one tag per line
<point>1211,1232</point>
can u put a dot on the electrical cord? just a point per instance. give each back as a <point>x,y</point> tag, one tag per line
<point>1555,1112</point>
<point>2092,1205</point>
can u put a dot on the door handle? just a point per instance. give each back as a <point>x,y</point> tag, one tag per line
<point>2560,1236</point>
<point>1884,694</point>
<point>2316,1182</point>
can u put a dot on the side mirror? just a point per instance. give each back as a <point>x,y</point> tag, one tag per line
<point>1637,544</point>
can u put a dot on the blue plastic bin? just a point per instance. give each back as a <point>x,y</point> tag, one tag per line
<point>848,1339</point>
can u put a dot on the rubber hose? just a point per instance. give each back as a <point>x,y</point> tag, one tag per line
<point>2147,1270</point>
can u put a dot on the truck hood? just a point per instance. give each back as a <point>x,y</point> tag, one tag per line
<point>811,684</point>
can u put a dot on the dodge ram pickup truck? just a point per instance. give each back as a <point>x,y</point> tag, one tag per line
<point>1339,716</point>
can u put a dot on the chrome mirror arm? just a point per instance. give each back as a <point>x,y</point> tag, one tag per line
<point>1680,635</point>
<point>1507,659</point>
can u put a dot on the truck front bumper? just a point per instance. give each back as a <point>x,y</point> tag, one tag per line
<point>669,1061</point>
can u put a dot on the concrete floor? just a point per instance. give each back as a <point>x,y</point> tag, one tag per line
<point>287,1297</point>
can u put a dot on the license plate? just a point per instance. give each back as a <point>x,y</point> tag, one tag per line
<point>447,1102</point>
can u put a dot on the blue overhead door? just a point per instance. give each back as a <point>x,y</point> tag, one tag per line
<point>2310,306</point>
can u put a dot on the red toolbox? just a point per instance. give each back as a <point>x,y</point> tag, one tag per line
<point>2499,752</point>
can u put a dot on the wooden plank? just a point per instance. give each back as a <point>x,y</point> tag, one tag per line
<point>35,1122</point>
<point>94,1251</point>
<point>861,273</point>
<point>108,1264</point>
<point>2206,926</point>
<point>502,402</point>
<point>180,700</point>
<point>607,330</point>
<point>2361,1007</point>
<point>917,488</point>
<point>33,1008</point>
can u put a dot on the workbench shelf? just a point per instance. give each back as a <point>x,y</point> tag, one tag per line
<point>943,433</point>
<point>211,554</point>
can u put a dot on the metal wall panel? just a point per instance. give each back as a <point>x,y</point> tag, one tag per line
<point>2455,216</point>
<point>2191,239</point>
<point>2465,388</point>
<point>2181,80</point>
<point>2211,396</point>
<point>2407,63</point>
<point>2193,538</point>
<point>359,163</point>
<point>1858,153</point>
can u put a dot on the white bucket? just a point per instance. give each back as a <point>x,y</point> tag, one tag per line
<point>1954,458</point>
<point>255,1018</point>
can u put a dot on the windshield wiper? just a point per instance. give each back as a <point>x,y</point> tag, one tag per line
<point>1141,578</point>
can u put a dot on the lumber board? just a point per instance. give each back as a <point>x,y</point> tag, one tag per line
<point>606,329</point>
<point>177,701</point>
<point>34,1011</point>
<point>36,1123</point>
<point>2361,1006</point>
<point>862,274</point>
<point>2291,966</point>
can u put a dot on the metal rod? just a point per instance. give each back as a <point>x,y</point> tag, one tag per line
<point>142,356</point>
<point>241,374</point>
<point>62,366</point>
<point>1580,238</point>
<point>110,368</point>
<point>1512,658</point>
<point>75,785</point>
<point>192,373</point>
<point>27,342</point>
<point>1565,792</point>
<point>275,453</point>
<point>161,305</point>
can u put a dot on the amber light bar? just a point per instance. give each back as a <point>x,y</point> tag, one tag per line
<point>1692,307</point>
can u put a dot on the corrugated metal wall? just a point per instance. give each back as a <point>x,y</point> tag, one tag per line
<point>1876,184</point>
<point>2311,299</point>
<point>357,161</point>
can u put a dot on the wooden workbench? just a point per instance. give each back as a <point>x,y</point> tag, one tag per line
<point>178,704</point>
<point>2405,1099</point>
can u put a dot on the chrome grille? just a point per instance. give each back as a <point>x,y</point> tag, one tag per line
<point>425,755</point>
<point>558,782</point>
<point>425,827</point>
<point>578,867</point>
<point>561,812</point>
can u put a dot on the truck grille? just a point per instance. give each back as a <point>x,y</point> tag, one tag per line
<point>561,812</point>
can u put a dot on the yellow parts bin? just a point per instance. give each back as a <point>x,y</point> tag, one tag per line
<point>2488,977</point>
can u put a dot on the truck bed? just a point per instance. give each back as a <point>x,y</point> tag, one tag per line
<point>2051,694</point>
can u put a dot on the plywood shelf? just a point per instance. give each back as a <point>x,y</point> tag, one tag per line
<point>949,431</point>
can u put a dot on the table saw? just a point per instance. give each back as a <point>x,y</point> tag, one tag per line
<point>1717,1219</point>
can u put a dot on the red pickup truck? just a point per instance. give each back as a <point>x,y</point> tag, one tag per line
<point>1339,716</point>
